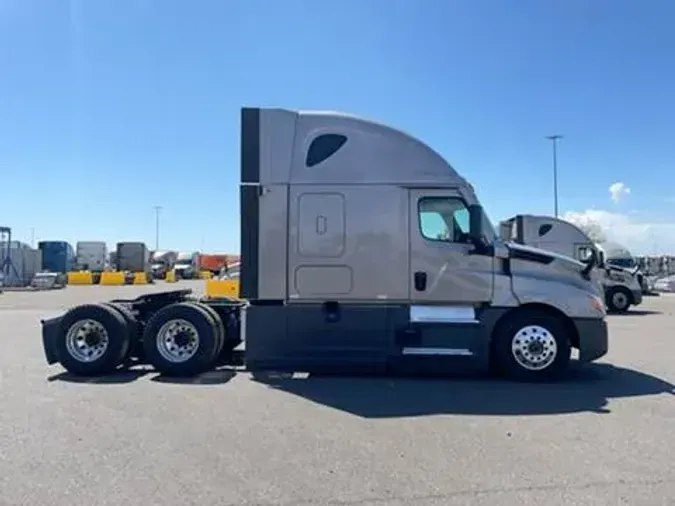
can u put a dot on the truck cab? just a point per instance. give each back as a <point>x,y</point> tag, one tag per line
<point>187,265</point>
<point>620,286</point>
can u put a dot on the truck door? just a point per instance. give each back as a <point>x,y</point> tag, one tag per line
<point>442,269</point>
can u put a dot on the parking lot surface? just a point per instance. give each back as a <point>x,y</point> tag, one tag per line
<point>603,436</point>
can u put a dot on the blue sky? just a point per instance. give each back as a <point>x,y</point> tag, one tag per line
<point>108,108</point>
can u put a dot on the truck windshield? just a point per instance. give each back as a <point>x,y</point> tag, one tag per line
<point>622,262</point>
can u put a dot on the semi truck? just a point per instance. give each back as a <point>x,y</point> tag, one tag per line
<point>162,262</point>
<point>362,251</point>
<point>621,287</point>
<point>187,265</point>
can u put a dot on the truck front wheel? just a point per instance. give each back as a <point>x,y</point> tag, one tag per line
<point>531,346</point>
<point>618,300</point>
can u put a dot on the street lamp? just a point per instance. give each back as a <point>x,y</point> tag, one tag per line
<point>554,140</point>
<point>157,210</point>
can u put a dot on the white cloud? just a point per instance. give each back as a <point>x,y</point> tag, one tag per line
<point>641,237</point>
<point>618,191</point>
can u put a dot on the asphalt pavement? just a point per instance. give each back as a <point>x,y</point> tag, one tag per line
<point>602,437</point>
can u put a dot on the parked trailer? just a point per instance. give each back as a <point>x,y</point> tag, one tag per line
<point>331,286</point>
<point>57,256</point>
<point>133,257</point>
<point>91,256</point>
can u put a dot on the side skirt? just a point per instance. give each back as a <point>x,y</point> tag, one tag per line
<point>337,338</point>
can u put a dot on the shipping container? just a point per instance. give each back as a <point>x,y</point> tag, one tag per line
<point>91,255</point>
<point>133,257</point>
<point>57,256</point>
<point>25,263</point>
<point>213,263</point>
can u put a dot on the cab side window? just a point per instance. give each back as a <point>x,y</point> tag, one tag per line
<point>443,219</point>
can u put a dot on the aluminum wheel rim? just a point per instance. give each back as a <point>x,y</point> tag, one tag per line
<point>177,341</point>
<point>620,300</point>
<point>534,348</point>
<point>87,340</point>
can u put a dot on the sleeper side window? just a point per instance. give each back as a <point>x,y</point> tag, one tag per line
<point>443,219</point>
<point>323,147</point>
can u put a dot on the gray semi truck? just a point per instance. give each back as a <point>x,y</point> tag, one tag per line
<point>362,251</point>
<point>622,288</point>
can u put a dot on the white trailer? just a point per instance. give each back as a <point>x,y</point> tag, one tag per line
<point>91,256</point>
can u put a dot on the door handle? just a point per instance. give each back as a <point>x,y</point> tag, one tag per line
<point>321,225</point>
<point>420,281</point>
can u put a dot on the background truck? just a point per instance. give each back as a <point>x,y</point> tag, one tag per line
<point>91,256</point>
<point>133,257</point>
<point>620,286</point>
<point>362,250</point>
<point>162,262</point>
<point>187,265</point>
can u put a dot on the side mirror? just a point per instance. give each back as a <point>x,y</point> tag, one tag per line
<point>476,224</point>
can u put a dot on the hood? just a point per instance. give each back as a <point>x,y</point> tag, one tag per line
<point>632,271</point>
<point>182,267</point>
<point>522,252</point>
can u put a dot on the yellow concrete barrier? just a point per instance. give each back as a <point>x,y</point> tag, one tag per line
<point>140,278</point>
<point>112,278</point>
<point>222,288</point>
<point>80,278</point>
<point>170,277</point>
<point>205,275</point>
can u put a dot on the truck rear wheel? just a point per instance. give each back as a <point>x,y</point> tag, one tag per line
<point>181,340</point>
<point>218,322</point>
<point>92,340</point>
<point>131,324</point>
<point>531,346</point>
<point>618,299</point>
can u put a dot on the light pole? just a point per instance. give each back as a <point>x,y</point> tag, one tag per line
<point>554,140</point>
<point>157,210</point>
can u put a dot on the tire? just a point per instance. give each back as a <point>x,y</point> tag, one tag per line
<point>531,346</point>
<point>618,299</point>
<point>198,335</point>
<point>108,336</point>
<point>217,321</point>
<point>132,326</point>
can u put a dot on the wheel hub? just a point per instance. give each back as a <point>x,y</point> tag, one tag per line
<point>534,347</point>
<point>177,340</point>
<point>87,340</point>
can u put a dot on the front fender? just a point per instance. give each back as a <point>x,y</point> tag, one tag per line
<point>569,299</point>
<point>50,330</point>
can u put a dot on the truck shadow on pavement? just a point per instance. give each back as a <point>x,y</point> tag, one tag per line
<point>588,388</point>
<point>128,375</point>
<point>635,312</point>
